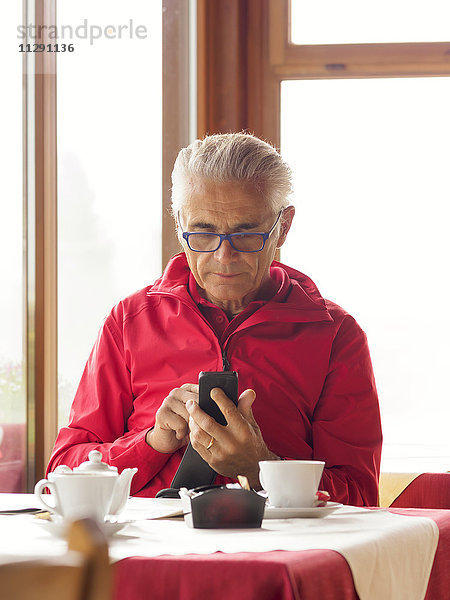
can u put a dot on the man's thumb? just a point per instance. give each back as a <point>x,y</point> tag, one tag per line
<point>245,402</point>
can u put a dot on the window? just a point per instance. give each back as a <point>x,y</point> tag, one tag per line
<point>364,125</point>
<point>12,367</point>
<point>365,130</point>
<point>109,169</point>
<point>108,218</point>
<point>356,22</point>
<point>369,158</point>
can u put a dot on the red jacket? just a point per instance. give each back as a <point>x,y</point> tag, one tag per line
<point>305,357</point>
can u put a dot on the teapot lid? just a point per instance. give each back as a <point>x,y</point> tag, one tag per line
<point>95,464</point>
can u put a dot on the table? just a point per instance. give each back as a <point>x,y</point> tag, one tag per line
<point>277,575</point>
<point>280,575</point>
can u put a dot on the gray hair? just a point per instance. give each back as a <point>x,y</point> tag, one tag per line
<point>232,157</point>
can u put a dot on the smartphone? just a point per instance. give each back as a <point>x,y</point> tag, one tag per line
<point>208,380</point>
<point>193,471</point>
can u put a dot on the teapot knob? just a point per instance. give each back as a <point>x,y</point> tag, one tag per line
<point>95,465</point>
<point>62,469</point>
<point>95,456</point>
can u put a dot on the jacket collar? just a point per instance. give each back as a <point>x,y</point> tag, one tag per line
<point>302,302</point>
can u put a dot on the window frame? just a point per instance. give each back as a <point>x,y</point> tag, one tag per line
<point>40,235</point>
<point>239,83</point>
<point>264,56</point>
<point>243,53</point>
<point>40,202</point>
<point>242,90</point>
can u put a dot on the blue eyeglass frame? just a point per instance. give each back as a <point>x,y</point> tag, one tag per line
<point>229,236</point>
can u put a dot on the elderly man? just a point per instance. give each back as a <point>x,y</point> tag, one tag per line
<point>305,375</point>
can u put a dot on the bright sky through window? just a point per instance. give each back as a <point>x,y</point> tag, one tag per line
<point>357,22</point>
<point>109,168</point>
<point>370,158</point>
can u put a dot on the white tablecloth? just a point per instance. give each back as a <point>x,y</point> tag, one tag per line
<point>390,556</point>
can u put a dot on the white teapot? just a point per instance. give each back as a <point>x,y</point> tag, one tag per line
<point>92,489</point>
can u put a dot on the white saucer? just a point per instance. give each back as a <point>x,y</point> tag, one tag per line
<point>314,512</point>
<point>59,528</point>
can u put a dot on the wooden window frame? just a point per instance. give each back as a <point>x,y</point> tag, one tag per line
<point>243,54</point>
<point>40,255</point>
<point>239,85</point>
<point>40,208</point>
<point>175,117</point>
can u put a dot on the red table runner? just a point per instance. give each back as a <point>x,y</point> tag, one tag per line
<point>278,575</point>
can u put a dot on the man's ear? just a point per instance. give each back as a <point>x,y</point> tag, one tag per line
<point>178,229</point>
<point>286,222</point>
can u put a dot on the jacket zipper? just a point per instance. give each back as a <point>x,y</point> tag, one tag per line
<point>225,362</point>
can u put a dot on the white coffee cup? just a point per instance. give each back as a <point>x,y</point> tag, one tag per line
<point>76,496</point>
<point>291,483</point>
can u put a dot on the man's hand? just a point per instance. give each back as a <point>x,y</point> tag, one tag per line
<point>237,447</point>
<point>171,430</point>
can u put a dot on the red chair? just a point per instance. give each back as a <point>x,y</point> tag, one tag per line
<point>428,490</point>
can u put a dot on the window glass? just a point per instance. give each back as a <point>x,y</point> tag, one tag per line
<point>109,168</point>
<point>12,389</point>
<point>370,161</point>
<point>353,21</point>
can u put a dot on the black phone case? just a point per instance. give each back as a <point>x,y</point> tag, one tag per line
<point>207,380</point>
<point>193,471</point>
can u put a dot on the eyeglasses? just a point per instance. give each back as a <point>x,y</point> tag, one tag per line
<point>242,242</point>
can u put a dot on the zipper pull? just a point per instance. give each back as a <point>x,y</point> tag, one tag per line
<point>225,362</point>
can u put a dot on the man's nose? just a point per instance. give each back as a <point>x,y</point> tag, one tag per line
<point>225,253</point>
